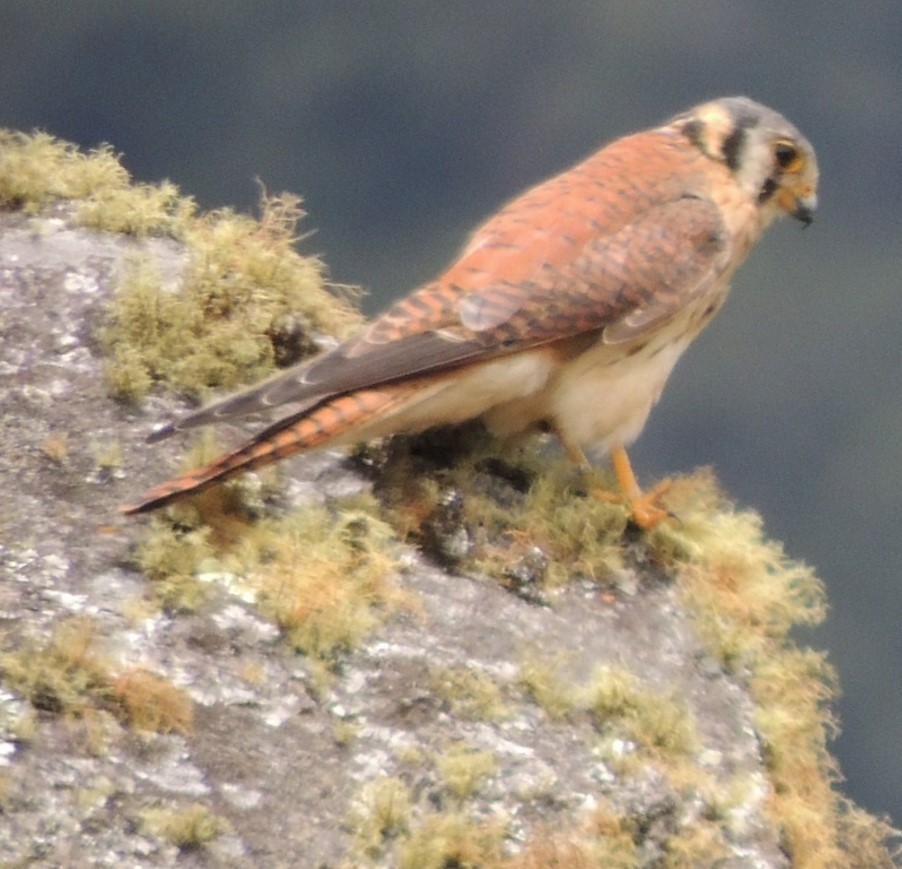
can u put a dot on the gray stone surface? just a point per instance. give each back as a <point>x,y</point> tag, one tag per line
<point>265,753</point>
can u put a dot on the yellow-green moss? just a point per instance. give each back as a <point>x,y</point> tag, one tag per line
<point>543,680</point>
<point>391,828</point>
<point>138,209</point>
<point>580,533</point>
<point>381,813</point>
<point>440,841</point>
<point>37,169</point>
<point>247,301</point>
<point>107,455</point>
<point>70,675</point>
<point>324,577</point>
<point>530,519</point>
<point>745,592</point>
<point>345,732</point>
<point>469,693</point>
<point>171,557</point>
<point>620,704</point>
<point>63,676</point>
<point>464,769</point>
<point>747,595</point>
<point>322,573</point>
<point>187,827</point>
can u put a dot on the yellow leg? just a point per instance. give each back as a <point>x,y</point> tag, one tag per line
<point>643,505</point>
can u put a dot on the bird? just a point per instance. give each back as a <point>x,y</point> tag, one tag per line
<point>565,312</point>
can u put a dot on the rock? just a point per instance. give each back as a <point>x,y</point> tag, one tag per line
<point>464,727</point>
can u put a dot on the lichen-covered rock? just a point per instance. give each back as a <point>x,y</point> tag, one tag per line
<point>607,722</point>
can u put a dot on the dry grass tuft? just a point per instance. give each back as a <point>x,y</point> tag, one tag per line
<point>70,676</point>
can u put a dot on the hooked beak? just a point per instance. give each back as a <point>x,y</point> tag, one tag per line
<point>805,208</point>
<point>800,205</point>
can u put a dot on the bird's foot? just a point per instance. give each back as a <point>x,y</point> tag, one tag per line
<point>645,508</point>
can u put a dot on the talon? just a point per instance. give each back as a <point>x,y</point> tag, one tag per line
<point>644,507</point>
<point>646,512</point>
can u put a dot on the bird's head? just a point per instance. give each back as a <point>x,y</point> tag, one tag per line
<point>767,155</point>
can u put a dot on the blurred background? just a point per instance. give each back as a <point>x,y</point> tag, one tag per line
<point>403,124</point>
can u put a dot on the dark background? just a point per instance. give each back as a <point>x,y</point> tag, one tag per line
<point>403,124</point>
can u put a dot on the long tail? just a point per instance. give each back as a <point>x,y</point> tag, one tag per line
<point>311,428</point>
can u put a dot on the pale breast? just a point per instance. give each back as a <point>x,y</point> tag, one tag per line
<point>602,397</point>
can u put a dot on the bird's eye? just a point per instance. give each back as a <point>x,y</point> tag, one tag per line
<point>787,156</point>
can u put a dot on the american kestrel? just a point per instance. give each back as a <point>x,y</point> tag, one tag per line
<point>566,311</point>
